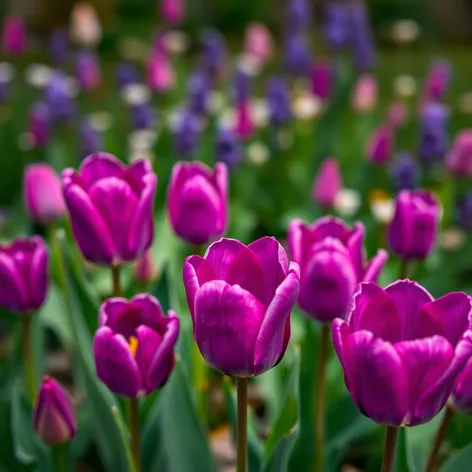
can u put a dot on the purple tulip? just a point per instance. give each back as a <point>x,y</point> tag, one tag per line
<point>242,86</point>
<point>143,116</point>
<point>336,26</point>
<point>39,124</point>
<point>43,194</point>
<point>278,99</point>
<point>23,274</point>
<point>111,208</point>
<point>58,98</point>
<point>405,173</point>
<point>198,93</point>
<point>297,60</point>
<point>14,36</point>
<point>360,36</point>
<point>88,70</point>
<point>240,298</point>
<point>244,127</point>
<point>186,134</point>
<point>402,351</point>
<point>197,201</point>
<point>459,158</point>
<point>126,74</point>
<point>380,147</point>
<point>228,148</point>
<point>173,11</point>
<point>54,420</point>
<point>332,263</point>
<point>322,79</point>
<point>327,184</point>
<point>90,139</point>
<point>298,16</point>
<point>144,269</point>
<point>213,55</point>
<point>438,80</point>
<point>461,398</point>
<point>412,232</point>
<point>434,139</point>
<point>134,345</point>
<point>59,45</point>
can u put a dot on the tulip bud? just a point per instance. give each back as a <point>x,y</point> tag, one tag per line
<point>39,125</point>
<point>197,201</point>
<point>240,299</point>
<point>405,173</point>
<point>14,36</point>
<point>258,42</point>
<point>322,79</point>
<point>144,269</point>
<point>228,148</point>
<point>85,25</point>
<point>159,73</point>
<point>459,158</point>
<point>244,122</point>
<point>381,145</point>
<point>364,97</point>
<point>111,208</point>
<point>134,345</point>
<point>23,274</point>
<point>88,70</point>
<point>413,230</point>
<point>173,11</point>
<point>327,184</point>
<point>278,100</point>
<point>332,262</point>
<point>54,416</point>
<point>43,194</point>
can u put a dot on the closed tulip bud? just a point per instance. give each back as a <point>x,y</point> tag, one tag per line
<point>85,25</point>
<point>173,11</point>
<point>197,201</point>
<point>413,230</point>
<point>258,42</point>
<point>228,148</point>
<point>361,38</point>
<point>144,269</point>
<point>186,135</point>
<point>327,184</point>
<point>14,36</point>
<point>380,147</point>
<point>244,122</point>
<point>332,262</point>
<point>214,53</point>
<point>402,351</point>
<point>364,97</point>
<point>336,21</point>
<point>438,80</point>
<point>23,274</point>
<point>55,421</point>
<point>240,298</point>
<point>39,125</point>
<point>43,194</point>
<point>111,208</point>
<point>278,101</point>
<point>297,58</point>
<point>434,139</point>
<point>59,45</point>
<point>134,345</point>
<point>405,173</point>
<point>88,70</point>
<point>461,398</point>
<point>459,158</point>
<point>159,72</point>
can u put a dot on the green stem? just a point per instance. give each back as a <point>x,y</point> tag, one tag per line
<point>404,268</point>
<point>389,448</point>
<point>433,455</point>
<point>241,442</point>
<point>28,356</point>
<point>115,277</point>
<point>320,399</point>
<point>61,458</point>
<point>134,431</point>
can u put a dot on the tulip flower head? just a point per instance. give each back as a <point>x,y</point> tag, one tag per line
<point>228,148</point>
<point>459,158</point>
<point>198,93</point>
<point>380,146</point>
<point>88,70</point>
<point>134,345</point>
<point>144,269</point>
<point>14,36</point>
<point>322,79</point>
<point>240,299</point>
<point>360,36</point>
<point>297,58</point>
<point>59,45</point>
<point>159,72</point>
<point>336,26</point>
<point>197,201</point>
<point>23,274</point>
<point>43,193</point>
<point>111,208</point>
<point>464,212</point>
<point>434,139</point>
<point>438,79</point>
<point>55,420</point>
<point>85,25</point>
<point>332,262</point>
<point>244,126</point>
<point>405,173</point>
<point>186,134</point>
<point>258,42</point>
<point>173,11</point>
<point>402,351</point>
<point>39,124</point>
<point>327,184</point>
<point>413,230</point>
<point>461,398</point>
<point>279,102</point>
<point>364,96</point>
<point>214,53</point>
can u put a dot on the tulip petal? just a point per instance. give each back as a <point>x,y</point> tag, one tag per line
<point>372,309</point>
<point>221,183</point>
<point>340,331</point>
<point>274,261</point>
<point>410,298</point>
<point>227,321</point>
<point>355,245</point>
<point>375,266</point>
<point>190,279</point>
<point>447,316</point>
<point>331,227</point>
<point>376,374</point>
<point>115,364</point>
<point>462,393</point>
<point>90,231</point>
<point>271,338</point>
<point>13,294</point>
<point>139,175</point>
<point>100,166</point>
<point>149,341</point>
<point>436,394</point>
<point>294,239</point>
<point>38,275</point>
<point>425,361</point>
<point>164,358</point>
<point>117,203</point>
<point>221,253</point>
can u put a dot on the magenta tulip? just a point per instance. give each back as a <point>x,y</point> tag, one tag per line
<point>461,398</point>
<point>14,36</point>
<point>327,184</point>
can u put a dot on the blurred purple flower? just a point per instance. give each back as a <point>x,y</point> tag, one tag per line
<point>59,45</point>
<point>405,172</point>
<point>279,103</point>
<point>364,96</point>
<point>58,98</point>
<point>143,116</point>
<point>39,124</point>
<point>3,89</point>
<point>434,139</point>
<point>88,69</point>
<point>14,36</point>
<point>198,90</point>
<point>402,351</point>
<point>186,134</point>
<point>126,74</point>
<point>297,58</point>
<point>322,76</point>
<point>461,398</point>
<point>380,146</point>
<point>336,24</point>
<point>228,148</point>
<point>464,212</point>
<point>214,53</point>
<point>437,81</point>
<point>360,36</point>
<point>244,127</point>
<point>173,11</point>
<point>298,16</point>
<point>90,139</point>
<point>327,184</point>
<point>459,157</point>
<point>159,72</point>
<point>241,85</point>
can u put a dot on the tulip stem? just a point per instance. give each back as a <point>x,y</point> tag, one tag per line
<point>404,266</point>
<point>320,398</point>
<point>433,455</point>
<point>28,356</point>
<point>134,431</point>
<point>115,277</point>
<point>389,448</point>
<point>241,442</point>
<point>61,457</point>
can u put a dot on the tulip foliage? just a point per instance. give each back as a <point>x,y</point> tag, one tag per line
<point>253,264</point>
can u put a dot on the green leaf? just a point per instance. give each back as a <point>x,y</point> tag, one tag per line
<point>403,461</point>
<point>255,449</point>
<point>288,414</point>
<point>460,462</point>
<point>281,454</point>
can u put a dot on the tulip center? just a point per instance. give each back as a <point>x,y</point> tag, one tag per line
<point>133,345</point>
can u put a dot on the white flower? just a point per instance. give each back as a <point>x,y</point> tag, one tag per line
<point>260,112</point>
<point>307,106</point>
<point>258,153</point>
<point>405,86</point>
<point>452,239</point>
<point>176,42</point>
<point>136,94</point>
<point>383,210</point>
<point>347,202</point>
<point>101,120</point>
<point>405,31</point>
<point>7,72</point>
<point>249,64</point>
<point>465,103</point>
<point>38,75</point>
<point>228,118</point>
